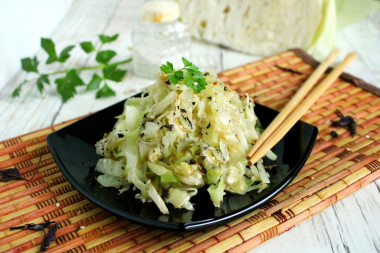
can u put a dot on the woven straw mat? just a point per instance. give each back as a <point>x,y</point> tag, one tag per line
<point>336,168</point>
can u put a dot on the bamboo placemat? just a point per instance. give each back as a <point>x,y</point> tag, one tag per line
<point>336,168</point>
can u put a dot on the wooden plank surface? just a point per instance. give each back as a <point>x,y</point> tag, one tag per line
<point>351,225</point>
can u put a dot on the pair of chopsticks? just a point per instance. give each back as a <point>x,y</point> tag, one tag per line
<point>297,106</point>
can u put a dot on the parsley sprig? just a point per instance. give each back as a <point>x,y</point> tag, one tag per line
<point>68,80</point>
<point>189,75</point>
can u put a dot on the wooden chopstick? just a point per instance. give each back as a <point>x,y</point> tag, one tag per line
<point>305,88</point>
<point>294,116</point>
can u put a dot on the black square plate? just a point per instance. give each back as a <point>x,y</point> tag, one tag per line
<point>73,150</point>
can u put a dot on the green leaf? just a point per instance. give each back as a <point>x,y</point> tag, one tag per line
<point>29,65</point>
<point>49,47</point>
<point>45,79</point>
<point>74,78</point>
<point>192,68</point>
<point>65,88</point>
<point>105,56</point>
<point>173,78</point>
<point>40,85</point>
<point>94,83</point>
<point>105,91</point>
<point>113,73</point>
<point>201,85</point>
<point>65,54</point>
<point>198,75</point>
<point>186,62</point>
<point>178,74</point>
<point>107,39</point>
<point>87,46</point>
<point>17,91</point>
<point>51,60</point>
<point>196,81</point>
<point>193,78</point>
<point>168,68</point>
<point>189,82</point>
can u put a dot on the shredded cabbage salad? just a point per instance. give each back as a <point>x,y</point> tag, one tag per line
<point>171,141</point>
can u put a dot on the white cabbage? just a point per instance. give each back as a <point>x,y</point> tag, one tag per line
<point>263,27</point>
<point>171,141</point>
<point>111,181</point>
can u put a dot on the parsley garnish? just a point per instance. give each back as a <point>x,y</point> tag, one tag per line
<point>192,77</point>
<point>68,79</point>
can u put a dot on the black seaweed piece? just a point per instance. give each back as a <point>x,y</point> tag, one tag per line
<point>183,110</point>
<point>170,127</point>
<point>203,170</point>
<point>334,134</point>
<point>192,161</point>
<point>187,119</point>
<point>209,125</point>
<point>11,174</point>
<point>34,227</point>
<point>167,82</point>
<point>345,121</point>
<point>191,124</point>
<point>49,237</point>
<point>352,128</point>
<point>289,70</point>
<point>165,193</point>
<point>14,174</point>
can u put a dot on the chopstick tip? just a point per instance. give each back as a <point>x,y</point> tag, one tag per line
<point>335,50</point>
<point>351,55</point>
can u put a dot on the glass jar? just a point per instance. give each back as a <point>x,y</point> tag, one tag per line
<point>159,37</point>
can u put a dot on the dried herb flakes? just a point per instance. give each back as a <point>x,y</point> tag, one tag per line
<point>11,174</point>
<point>14,174</point>
<point>289,70</point>
<point>345,121</point>
<point>49,237</point>
<point>34,227</point>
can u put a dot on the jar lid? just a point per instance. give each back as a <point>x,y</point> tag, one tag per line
<point>160,11</point>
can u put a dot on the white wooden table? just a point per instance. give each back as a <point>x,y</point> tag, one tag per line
<point>351,225</point>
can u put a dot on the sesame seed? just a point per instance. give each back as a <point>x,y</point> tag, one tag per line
<point>367,136</point>
<point>195,83</point>
<point>327,121</point>
<point>57,204</point>
<point>348,149</point>
<point>82,227</point>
